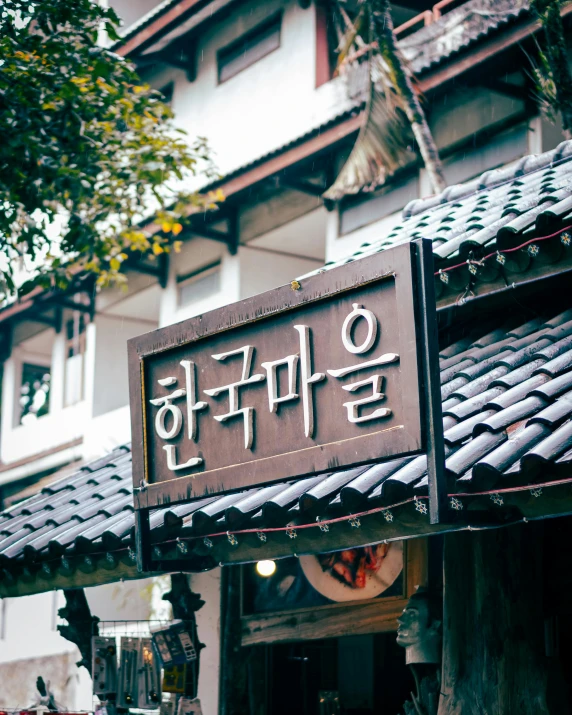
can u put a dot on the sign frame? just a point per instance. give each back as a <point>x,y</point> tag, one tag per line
<point>410,264</point>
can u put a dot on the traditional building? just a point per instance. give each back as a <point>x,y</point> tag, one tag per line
<point>258,80</point>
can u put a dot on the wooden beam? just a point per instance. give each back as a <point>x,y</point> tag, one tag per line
<point>378,616</point>
<point>306,187</point>
<point>71,305</point>
<point>212,233</point>
<point>6,336</point>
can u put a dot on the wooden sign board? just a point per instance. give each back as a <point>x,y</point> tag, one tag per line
<point>296,381</point>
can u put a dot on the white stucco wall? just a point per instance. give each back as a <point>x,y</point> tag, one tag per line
<point>271,103</point>
<point>29,632</point>
<point>111,385</point>
<point>208,625</point>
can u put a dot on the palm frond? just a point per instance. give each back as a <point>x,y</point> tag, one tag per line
<point>384,142</point>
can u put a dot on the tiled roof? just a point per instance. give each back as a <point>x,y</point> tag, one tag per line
<point>424,49</point>
<point>507,413</point>
<point>457,30</point>
<point>497,211</point>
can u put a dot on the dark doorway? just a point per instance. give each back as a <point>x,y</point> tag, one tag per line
<point>353,675</point>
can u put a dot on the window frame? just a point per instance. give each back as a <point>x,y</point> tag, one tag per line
<point>30,361</point>
<point>248,41</point>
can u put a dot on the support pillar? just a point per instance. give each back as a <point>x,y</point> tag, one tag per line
<point>493,633</point>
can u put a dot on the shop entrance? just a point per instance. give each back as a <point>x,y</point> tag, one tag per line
<point>352,675</point>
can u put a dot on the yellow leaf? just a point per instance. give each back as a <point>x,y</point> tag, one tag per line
<point>166,227</point>
<point>157,249</point>
<point>177,245</point>
<point>114,264</point>
<point>177,228</point>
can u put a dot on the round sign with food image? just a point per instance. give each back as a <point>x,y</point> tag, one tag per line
<point>354,574</point>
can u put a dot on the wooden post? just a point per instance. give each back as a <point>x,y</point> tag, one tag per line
<point>234,671</point>
<point>493,639</point>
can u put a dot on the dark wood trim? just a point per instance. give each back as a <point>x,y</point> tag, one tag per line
<point>509,89</point>
<point>285,254</point>
<point>323,65</point>
<point>378,616</point>
<point>323,140</point>
<point>197,272</point>
<point>40,455</point>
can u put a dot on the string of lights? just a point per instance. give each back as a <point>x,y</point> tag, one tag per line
<point>533,250</point>
<point>354,520</point>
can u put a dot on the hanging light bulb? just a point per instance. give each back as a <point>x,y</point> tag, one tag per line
<point>265,568</point>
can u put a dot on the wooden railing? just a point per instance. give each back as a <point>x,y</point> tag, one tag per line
<point>426,17</point>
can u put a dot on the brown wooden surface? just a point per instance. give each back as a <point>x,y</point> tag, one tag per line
<point>378,616</point>
<point>415,555</point>
<point>493,635</point>
<point>382,281</point>
<point>233,688</point>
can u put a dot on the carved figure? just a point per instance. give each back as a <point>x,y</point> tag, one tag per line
<point>419,631</point>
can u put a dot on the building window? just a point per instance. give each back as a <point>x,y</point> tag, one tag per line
<point>34,392</point>
<point>199,285</point>
<point>248,49</point>
<point>75,350</point>
<point>369,208</point>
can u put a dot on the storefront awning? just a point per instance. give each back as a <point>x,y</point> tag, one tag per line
<point>507,405</point>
